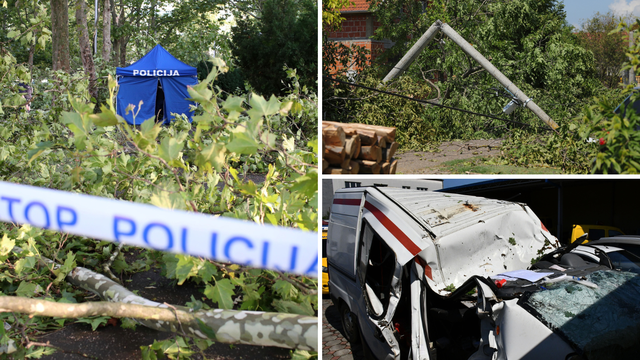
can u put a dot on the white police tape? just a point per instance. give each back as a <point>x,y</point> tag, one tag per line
<point>216,238</point>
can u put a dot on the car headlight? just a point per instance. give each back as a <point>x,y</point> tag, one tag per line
<point>324,269</point>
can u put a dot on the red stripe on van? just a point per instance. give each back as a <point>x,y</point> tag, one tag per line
<point>393,229</point>
<point>347,202</point>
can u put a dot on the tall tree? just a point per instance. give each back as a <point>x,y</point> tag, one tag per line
<point>285,34</point>
<point>106,32</point>
<point>608,49</point>
<point>60,34</point>
<point>85,47</point>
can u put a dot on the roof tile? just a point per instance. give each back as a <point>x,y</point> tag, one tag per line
<point>357,5</point>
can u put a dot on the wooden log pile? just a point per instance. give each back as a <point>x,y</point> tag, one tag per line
<point>349,148</point>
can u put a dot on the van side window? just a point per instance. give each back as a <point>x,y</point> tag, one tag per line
<point>375,270</point>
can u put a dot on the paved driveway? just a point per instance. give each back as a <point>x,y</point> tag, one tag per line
<point>334,345</point>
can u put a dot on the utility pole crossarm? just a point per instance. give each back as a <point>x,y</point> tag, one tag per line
<point>438,26</point>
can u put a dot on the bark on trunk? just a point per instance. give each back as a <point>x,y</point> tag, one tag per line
<point>106,32</point>
<point>389,151</point>
<point>60,34</point>
<point>369,167</point>
<point>352,129</point>
<point>372,153</point>
<point>335,171</point>
<point>332,135</point>
<point>335,155</point>
<point>85,47</point>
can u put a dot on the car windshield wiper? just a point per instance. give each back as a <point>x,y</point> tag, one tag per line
<point>567,249</point>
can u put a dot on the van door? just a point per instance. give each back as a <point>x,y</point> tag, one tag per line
<point>388,240</point>
<point>379,274</point>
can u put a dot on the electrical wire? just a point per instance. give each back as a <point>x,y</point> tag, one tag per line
<point>435,104</point>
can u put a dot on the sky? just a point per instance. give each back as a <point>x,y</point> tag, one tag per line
<point>579,10</point>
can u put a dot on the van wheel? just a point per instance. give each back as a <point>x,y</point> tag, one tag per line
<point>349,324</point>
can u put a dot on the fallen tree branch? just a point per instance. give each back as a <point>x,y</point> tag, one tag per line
<point>228,326</point>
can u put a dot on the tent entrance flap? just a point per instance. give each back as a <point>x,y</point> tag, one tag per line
<point>132,91</point>
<point>176,95</point>
<point>161,112</point>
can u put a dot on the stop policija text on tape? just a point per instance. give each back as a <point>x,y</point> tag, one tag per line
<point>216,238</point>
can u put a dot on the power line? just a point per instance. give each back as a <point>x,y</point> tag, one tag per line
<point>434,104</point>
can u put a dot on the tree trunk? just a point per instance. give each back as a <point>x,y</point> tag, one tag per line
<point>123,51</point>
<point>153,18</point>
<point>60,34</point>
<point>123,40</point>
<point>85,47</point>
<point>106,32</point>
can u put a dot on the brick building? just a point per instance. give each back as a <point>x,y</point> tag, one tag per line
<point>358,28</point>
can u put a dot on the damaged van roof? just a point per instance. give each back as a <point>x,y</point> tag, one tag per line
<point>473,236</point>
<point>444,213</point>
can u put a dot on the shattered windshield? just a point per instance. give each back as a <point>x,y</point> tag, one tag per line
<point>604,321</point>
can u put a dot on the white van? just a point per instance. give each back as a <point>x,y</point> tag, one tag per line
<point>410,272</point>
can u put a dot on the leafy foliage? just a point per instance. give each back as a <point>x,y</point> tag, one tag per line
<point>527,40</point>
<point>284,35</point>
<point>608,49</point>
<point>198,167</point>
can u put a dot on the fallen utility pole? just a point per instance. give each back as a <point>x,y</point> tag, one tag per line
<point>438,26</point>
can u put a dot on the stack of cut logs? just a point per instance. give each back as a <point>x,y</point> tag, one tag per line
<point>358,148</point>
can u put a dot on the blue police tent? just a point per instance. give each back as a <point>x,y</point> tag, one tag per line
<point>160,81</point>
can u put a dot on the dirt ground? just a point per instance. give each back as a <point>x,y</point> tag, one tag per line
<point>424,162</point>
<point>78,341</point>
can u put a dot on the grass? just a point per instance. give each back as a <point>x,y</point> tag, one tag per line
<point>480,165</point>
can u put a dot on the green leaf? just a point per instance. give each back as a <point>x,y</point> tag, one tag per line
<point>94,321</point>
<point>26,263</point>
<point>6,245</point>
<point>303,355</point>
<point>285,289</point>
<point>233,103</point>
<point>289,143</point>
<point>166,200</point>
<point>208,271</point>
<point>306,184</point>
<point>221,293</point>
<point>74,121</point>
<point>170,149</point>
<point>28,289</point>
<point>242,144</point>
<point>292,307</point>
<point>260,107</point>
<point>105,118</point>
<point>150,129</point>
<point>185,268</point>
<point>213,154</point>
<point>40,148</point>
